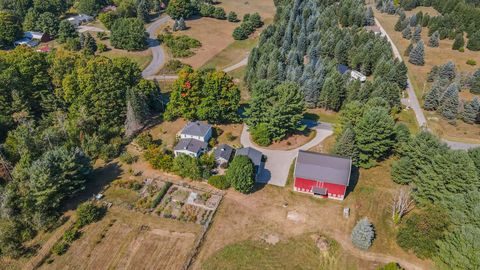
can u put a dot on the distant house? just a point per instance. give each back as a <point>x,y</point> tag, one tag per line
<point>223,153</point>
<point>41,37</point>
<point>79,19</point>
<point>191,147</point>
<point>255,156</point>
<point>26,42</point>
<point>374,29</point>
<point>322,175</point>
<point>197,130</point>
<point>342,69</point>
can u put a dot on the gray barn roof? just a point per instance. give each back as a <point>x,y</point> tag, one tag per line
<point>223,151</point>
<point>322,167</point>
<point>191,145</point>
<point>196,129</point>
<point>254,155</point>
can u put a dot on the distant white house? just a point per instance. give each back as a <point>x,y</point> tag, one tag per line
<point>197,130</point>
<point>353,73</point>
<point>79,19</point>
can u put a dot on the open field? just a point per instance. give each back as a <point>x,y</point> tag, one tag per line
<point>125,239</point>
<point>219,49</point>
<point>238,75</point>
<point>434,56</point>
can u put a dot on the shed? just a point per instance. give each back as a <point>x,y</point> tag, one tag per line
<point>223,153</point>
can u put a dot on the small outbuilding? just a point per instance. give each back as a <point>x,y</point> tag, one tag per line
<point>342,69</point>
<point>197,130</point>
<point>255,156</point>
<point>191,147</point>
<point>322,175</point>
<point>79,19</point>
<point>223,154</point>
<point>41,37</point>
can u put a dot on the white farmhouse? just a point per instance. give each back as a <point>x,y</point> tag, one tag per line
<point>196,130</point>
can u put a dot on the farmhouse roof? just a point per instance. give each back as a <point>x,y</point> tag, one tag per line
<point>196,129</point>
<point>322,167</point>
<point>190,145</point>
<point>223,151</point>
<point>254,155</point>
<point>33,35</point>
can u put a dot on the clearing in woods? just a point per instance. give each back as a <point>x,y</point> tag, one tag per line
<point>418,74</point>
<point>216,35</point>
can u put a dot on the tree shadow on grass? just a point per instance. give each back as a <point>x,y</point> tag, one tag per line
<point>97,181</point>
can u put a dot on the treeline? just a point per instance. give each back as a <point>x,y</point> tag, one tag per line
<point>446,188</point>
<point>443,97</point>
<point>458,16</point>
<point>58,113</point>
<point>302,50</point>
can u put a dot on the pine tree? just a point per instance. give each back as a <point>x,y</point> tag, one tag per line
<point>459,42</point>
<point>474,41</point>
<point>89,44</point>
<point>470,114</point>
<point>232,17</point>
<point>432,99</point>
<point>369,17</point>
<point>475,84</point>
<point>403,171</point>
<point>400,25</point>
<point>363,234</point>
<point>333,92</point>
<point>413,20</point>
<point>375,136</point>
<point>142,10</point>
<point>345,145</point>
<point>407,33</point>
<point>408,50</point>
<point>450,102</point>
<point>448,71</point>
<point>417,55</point>
<point>434,40</point>
<point>417,35</point>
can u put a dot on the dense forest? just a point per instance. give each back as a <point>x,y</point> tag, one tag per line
<point>58,113</point>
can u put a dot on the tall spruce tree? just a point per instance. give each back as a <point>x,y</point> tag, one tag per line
<point>363,234</point>
<point>474,41</point>
<point>417,55</point>
<point>469,114</point>
<point>434,40</point>
<point>417,34</point>
<point>459,41</point>
<point>345,145</point>
<point>475,83</point>
<point>407,33</point>
<point>449,102</point>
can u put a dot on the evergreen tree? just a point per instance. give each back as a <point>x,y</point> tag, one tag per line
<point>89,44</point>
<point>10,29</point>
<point>432,98</point>
<point>417,55</point>
<point>470,114</point>
<point>240,174</point>
<point>407,33</point>
<point>434,40</point>
<point>448,71</point>
<point>363,234</point>
<point>66,30</point>
<point>369,17</point>
<point>459,42</point>
<point>450,102</point>
<point>345,145</point>
<point>413,20</point>
<point>459,249</point>
<point>232,17</point>
<point>142,10</point>
<point>400,24</point>
<point>403,171</point>
<point>375,136</point>
<point>475,84</point>
<point>474,41</point>
<point>333,92</point>
<point>417,34</point>
<point>408,50</point>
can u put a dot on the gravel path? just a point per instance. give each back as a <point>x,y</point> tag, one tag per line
<point>412,100</point>
<point>279,161</point>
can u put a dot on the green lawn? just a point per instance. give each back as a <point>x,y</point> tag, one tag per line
<point>296,253</point>
<point>232,54</point>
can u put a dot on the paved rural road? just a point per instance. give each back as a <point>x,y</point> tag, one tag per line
<point>157,51</point>
<point>412,100</point>
<point>279,161</point>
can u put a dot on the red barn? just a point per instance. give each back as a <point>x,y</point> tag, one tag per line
<point>322,175</point>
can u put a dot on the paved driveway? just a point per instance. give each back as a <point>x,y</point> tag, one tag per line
<point>279,161</point>
<point>158,54</point>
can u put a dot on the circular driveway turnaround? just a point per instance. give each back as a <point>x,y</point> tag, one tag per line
<point>275,171</point>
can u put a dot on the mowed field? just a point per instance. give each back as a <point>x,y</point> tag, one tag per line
<point>124,239</point>
<point>216,35</point>
<point>418,74</point>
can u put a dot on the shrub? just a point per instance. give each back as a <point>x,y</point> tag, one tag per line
<point>174,66</point>
<point>390,266</point>
<point>180,9</point>
<point>128,158</point>
<point>239,33</point>
<point>219,13</point>
<point>232,17</point>
<point>107,18</point>
<point>363,234</point>
<point>187,166</point>
<point>261,135</point>
<point>471,62</point>
<point>161,194</point>
<point>129,34</point>
<point>88,213</point>
<point>101,35</point>
<point>158,158</point>
<point>219,181</point>
<point>60,248</point>
<point>71,235</point>
<point>180,46</point>
<point>102,47</point>
<point>144,140</point>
